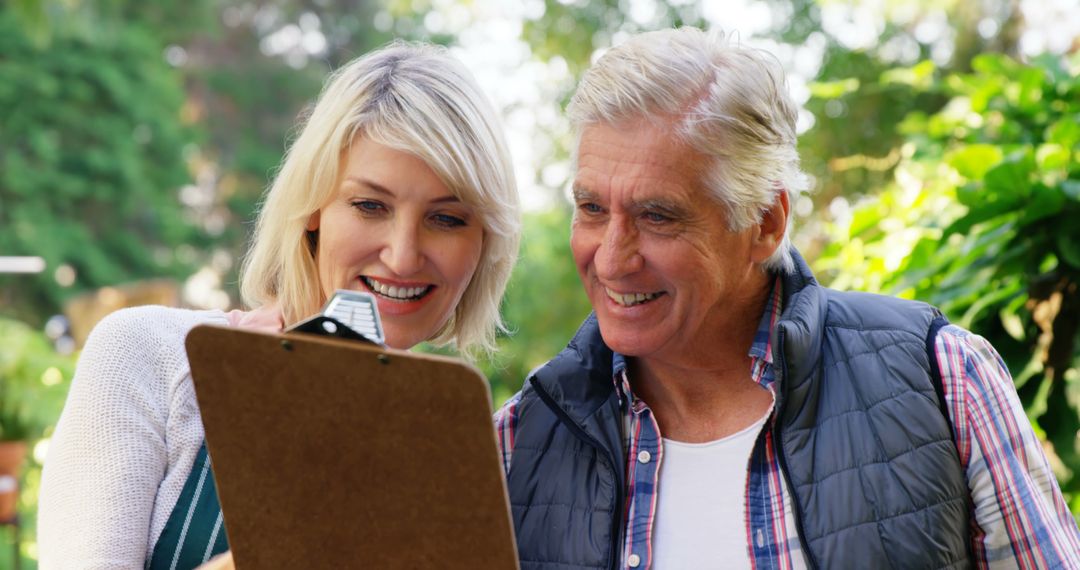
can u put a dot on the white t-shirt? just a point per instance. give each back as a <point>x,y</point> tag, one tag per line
<point>701,503</point>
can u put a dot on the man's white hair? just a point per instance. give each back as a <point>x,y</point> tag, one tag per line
<point>727,101</point>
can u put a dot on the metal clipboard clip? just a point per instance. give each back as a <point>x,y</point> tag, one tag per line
<point>348,314</point>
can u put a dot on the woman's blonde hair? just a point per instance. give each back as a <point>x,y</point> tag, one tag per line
<point>415,98</point>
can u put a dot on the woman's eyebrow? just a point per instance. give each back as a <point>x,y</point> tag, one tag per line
<point>380,189</point>
<point>373,186</point>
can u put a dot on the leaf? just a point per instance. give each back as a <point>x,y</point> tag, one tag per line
<point>1011,322</point>
<point>1011,177</point>
<point>1052,156</point>
<point>1030,94</point>
<point>1064,131</point>
<point>1044,202</point>
<point>995,64</point>
<point>970,194</point>
<point>919,76</point>
<point>1053,65</point>
<point>865,217</point>
<point>973,160</point>
<point>833,89</point>
<point>995,296</point>
<point>979,214</point>
<point>1069,247</point>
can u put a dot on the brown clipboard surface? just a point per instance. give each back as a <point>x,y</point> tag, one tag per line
<point>330,453</point>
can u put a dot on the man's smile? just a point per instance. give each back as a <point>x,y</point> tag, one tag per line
<point>631,299</point>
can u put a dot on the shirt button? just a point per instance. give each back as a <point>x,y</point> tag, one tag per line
<point>644,456</point>
<point>634,560</point>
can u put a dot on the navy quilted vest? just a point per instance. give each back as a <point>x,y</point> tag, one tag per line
<point>864,444</point>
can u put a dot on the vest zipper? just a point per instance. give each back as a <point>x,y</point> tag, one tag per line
<point>780,405</point>
<point>577,430</point>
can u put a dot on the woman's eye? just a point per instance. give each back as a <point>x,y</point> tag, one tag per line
<point>368,206</point>
<point>448,221</point>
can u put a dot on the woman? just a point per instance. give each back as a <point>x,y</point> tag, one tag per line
<point>399,185</point>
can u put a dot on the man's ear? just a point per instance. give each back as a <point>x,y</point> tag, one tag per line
<point>770,231</point>
<point>313,221</point>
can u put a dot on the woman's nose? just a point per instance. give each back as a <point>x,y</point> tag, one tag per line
<point>402,253</point>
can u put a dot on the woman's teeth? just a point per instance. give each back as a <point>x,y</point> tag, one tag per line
<point>394,292</point>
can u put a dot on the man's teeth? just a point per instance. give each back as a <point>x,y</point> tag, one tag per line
<point>630,299</point>
<point>395,292</point>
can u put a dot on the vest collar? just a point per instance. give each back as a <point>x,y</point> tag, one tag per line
<point>799,333</point>
<point>579,379</point>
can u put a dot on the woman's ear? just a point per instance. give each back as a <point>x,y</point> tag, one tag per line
<point>313,222</point>
<point>770,230</point>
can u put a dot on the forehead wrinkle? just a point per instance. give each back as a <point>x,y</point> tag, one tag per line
<point>644,166</point>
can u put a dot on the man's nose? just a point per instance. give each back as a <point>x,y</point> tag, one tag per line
<point>403,251</point>
<point>619,252</point>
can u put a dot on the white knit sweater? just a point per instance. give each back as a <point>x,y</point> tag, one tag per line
<point>124,444</point>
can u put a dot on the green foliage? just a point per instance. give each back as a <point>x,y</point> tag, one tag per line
<point>92,158</point>
<point>980,218</point>
<point>32,382</point>
<point>544,303</point>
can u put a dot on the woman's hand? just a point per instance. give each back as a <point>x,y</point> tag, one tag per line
<point>266,318</point>
<point>222,561</point>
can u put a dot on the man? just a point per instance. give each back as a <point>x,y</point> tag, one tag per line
<point>721,409</point>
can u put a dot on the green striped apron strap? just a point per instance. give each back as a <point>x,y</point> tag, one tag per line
<point>194,531</point>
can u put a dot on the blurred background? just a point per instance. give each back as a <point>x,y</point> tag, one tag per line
<point>136,137</point>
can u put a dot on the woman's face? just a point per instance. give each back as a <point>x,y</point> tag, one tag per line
<point>393,229</point>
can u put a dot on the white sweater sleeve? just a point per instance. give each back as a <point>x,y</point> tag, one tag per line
<point>115,455</point>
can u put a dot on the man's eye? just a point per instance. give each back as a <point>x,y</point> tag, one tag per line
<point>368,206</point>
<point>448,221</point>
<point>590,208</point>
<point>656,217</point>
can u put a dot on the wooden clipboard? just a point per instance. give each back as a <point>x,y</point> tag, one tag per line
<point>330,453</point>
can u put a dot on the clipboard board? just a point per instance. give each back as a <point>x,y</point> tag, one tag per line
<point>329,453</point>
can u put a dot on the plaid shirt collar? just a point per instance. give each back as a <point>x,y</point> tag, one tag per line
<point>760,350</point>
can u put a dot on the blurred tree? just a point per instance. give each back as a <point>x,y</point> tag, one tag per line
<point>179,114</point>
<point>980,219</point>
<point>248,77</point>
<point>92,156</point>
<point>544,302</point>
<point>34,381</point>
<point>848,147</point>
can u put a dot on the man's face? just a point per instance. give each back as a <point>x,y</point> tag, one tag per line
<point>654,252</point>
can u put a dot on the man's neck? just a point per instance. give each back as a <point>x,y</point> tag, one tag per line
<point>706,392</point>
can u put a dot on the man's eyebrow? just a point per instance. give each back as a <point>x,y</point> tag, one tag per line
<point>581,194</point>
<point>668,207</point>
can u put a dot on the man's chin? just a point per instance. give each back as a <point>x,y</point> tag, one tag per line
<point>629,341</point>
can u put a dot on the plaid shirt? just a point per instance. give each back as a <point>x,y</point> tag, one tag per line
<point>1019,519</point>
